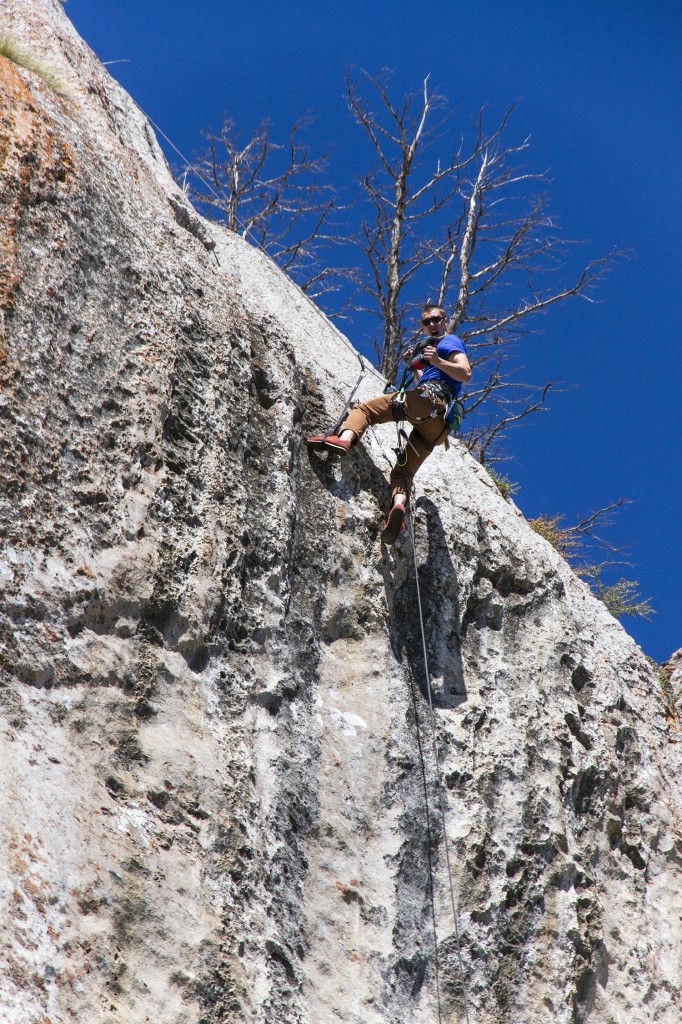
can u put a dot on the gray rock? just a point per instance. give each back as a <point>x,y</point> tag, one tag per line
<point>214,790</point>
<point>673,666</point>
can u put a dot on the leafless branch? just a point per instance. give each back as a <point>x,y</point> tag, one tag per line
<point>452,221</point>
<point>579,541</point>
<point>273,194</point>
<point>485,438</point>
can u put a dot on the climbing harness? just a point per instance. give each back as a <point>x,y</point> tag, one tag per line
<point>441,801</point>
<point>443,403</point>
<point>439,393</point>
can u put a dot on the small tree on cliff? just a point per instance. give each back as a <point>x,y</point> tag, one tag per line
<point>275,195</point>
<point>589,553</point>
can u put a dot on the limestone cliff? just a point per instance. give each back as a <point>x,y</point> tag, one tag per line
<point>213,801</point>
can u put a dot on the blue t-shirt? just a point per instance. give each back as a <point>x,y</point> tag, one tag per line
<point>445,347</point>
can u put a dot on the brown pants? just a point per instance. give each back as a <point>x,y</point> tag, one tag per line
<point>434,430</point>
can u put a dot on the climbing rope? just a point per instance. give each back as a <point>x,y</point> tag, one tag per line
<point>429,847</point>
<point>439,787</point>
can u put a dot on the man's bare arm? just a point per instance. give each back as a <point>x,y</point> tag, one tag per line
<point>457,366</point>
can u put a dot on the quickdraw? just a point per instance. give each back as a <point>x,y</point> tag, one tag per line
<point>401,449</point>
<point>342,417</point>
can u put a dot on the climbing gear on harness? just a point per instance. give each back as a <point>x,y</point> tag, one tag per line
<point>433,390</point>
<point>398,406</point>
<point>330,443</point>
<point>394,524</point>
<point>453,415</point>
<point>415,436</point>
<point>401,449</point>
<point>437,391</point>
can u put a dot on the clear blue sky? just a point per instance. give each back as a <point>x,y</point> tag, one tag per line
<point>599,86</point>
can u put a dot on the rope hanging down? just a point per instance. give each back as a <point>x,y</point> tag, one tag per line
<point>439,787</point>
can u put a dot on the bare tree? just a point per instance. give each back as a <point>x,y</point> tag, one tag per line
<point>457,223</point>
<point>272,194</point>
<point>462,231</point>
<point>399,240</point>
<point>580,543</point>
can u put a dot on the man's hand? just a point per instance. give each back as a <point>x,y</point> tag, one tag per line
<point>431,355</point>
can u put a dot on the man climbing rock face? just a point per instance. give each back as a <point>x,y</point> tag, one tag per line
<point>439,369</point>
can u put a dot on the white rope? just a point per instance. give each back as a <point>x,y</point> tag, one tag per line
<point>429,844</point>
<point>441,802</point>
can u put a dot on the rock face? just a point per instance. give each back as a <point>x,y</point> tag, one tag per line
<point>673,667</point>
<point>216,741</point>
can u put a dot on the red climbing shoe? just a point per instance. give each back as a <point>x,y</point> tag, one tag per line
<point>337,444</point>
<point>316,443</point>
<point>394,524</point>
<point>330,443</point>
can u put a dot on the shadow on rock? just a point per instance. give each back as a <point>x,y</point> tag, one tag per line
<point>345,476</point>
<point>440,610</point>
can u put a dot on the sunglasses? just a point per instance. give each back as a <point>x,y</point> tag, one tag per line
<point>432,320</point>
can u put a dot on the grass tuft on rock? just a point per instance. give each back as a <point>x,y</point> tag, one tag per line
<point>10,49</point>
<point>505,486</point>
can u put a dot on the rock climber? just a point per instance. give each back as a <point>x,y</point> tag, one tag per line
<point>440,369</point>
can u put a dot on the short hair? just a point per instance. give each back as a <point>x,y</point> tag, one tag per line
<point>433,305</point>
